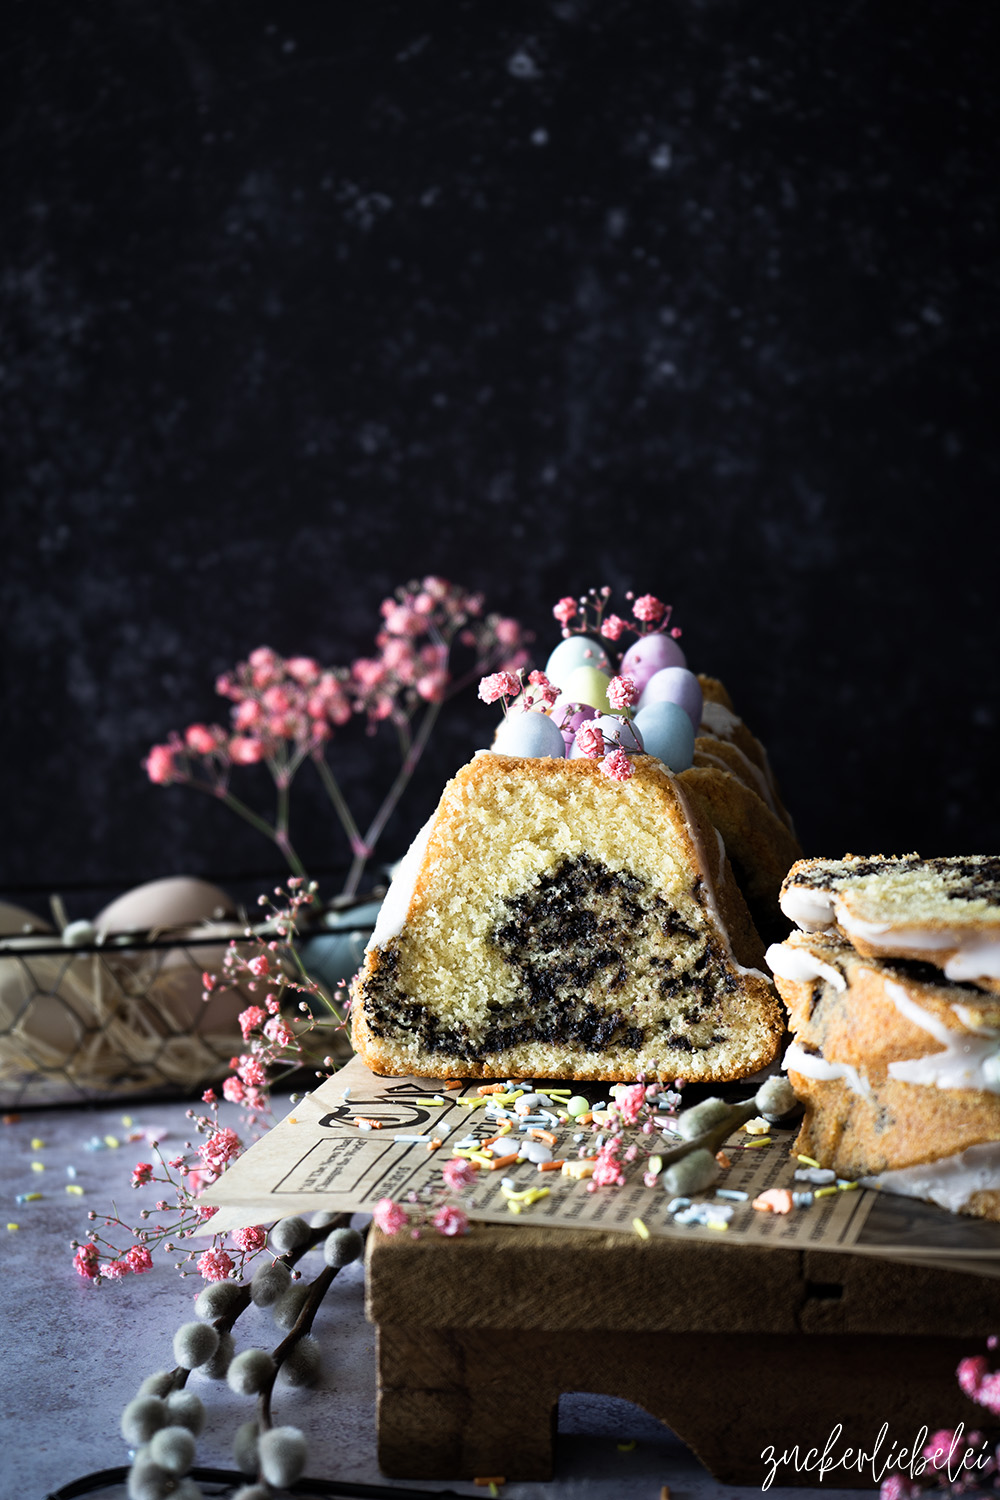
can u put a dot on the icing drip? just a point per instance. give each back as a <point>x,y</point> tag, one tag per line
<point>799,965</point>
<point>973,956</point>
<point>719,720</point>
<point>394,908</point>
<point>814,1065</point>
<point>950,1181</point>
<point>969,1060</point>
<point>808,909</point>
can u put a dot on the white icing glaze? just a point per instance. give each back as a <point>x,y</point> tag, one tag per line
<point>969,1060</point>
<point>814,1065</point>
<point>950,1181</point>
<point>973,956</point>
<point>719,720</point>
<point>811,910</point>
<point>965,1014</point>
<point>978,958</point>
<point>798,965</point>
<point>392,913</point>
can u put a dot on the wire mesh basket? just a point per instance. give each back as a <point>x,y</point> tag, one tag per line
<point>120,1018</point>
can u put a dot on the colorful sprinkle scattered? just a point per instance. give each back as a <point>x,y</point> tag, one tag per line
<point>808,1161</point>
<point>75,1189</point>
<point>643,1233</point>
<point>12,1227</point>
<point>112,1142</point>
<point>38,1166</point>
<point>37,1144</point>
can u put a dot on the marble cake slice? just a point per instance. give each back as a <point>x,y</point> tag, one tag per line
<point>550,922</point>
<point>944,911</point>
<point>899,1071</point>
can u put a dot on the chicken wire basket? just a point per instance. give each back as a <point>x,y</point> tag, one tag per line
<point>121,1018</point>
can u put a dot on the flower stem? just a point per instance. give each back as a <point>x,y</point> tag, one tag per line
<point>228,799</point>
<point>406,770</point>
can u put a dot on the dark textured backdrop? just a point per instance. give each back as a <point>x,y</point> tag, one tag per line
<point>301,300</point>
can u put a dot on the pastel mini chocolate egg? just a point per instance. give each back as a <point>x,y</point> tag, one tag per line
<point>575,651</point>
<point>675,685</point>
<point>568,715</point>
<point>588,685</point>
<point>532,734</point>
<point>621,732</point>
<point>649,654</point>
<point>667,733</point>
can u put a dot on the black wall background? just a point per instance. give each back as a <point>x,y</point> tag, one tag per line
<point>301,301</point>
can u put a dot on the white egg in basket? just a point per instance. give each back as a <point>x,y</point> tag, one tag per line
<point>115,1007</point>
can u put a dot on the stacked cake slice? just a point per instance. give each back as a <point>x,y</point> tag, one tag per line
<point>893,989</point>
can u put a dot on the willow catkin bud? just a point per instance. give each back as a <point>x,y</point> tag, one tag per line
<point>288,1234</point>
<point>185,1409</point>
<point>195,1344</point>
<point>160,1384</point>
<point>147,1480</point>
<point>173,1448</point>
<point>282,1453</point>
<point>341,1247</point>
<point>250,1372</point>
<point>217,1367</point>
<point>143,1416</point>
<point>287,1308</point>
<point>699,1169</point>
<point>322,1217</point>
<point>245,1448</point>
<point>701,1117</point>
<point>269,1282</point>
<point>302,1364</point>
<point>217,1299</point>
<point>187,1490</point>
<point>775,1097</point>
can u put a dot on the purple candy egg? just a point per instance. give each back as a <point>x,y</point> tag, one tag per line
<point>649,654</point>
<point>569,714</point>
<point>675,685</point>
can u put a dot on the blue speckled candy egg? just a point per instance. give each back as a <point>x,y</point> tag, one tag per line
<point>531,734</point>
<point>667,733</point>
<point>675,685</point>
<point>649,654</point>
<point>575,651</point>
<point>588,685</point>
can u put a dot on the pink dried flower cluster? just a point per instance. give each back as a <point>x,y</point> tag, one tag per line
<point>589,615</point>
<point>285,711</point>
<point>273,1044</point>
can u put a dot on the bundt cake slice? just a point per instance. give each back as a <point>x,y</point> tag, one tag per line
<point>899,1072</point>
<point>944,911</point>
<point>552,922</point>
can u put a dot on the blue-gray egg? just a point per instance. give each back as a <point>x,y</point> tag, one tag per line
<point>339,952</point>
<point>531,734</point>
<point>667,733</point>
<point>675,685</point>
<point>575,651</point>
